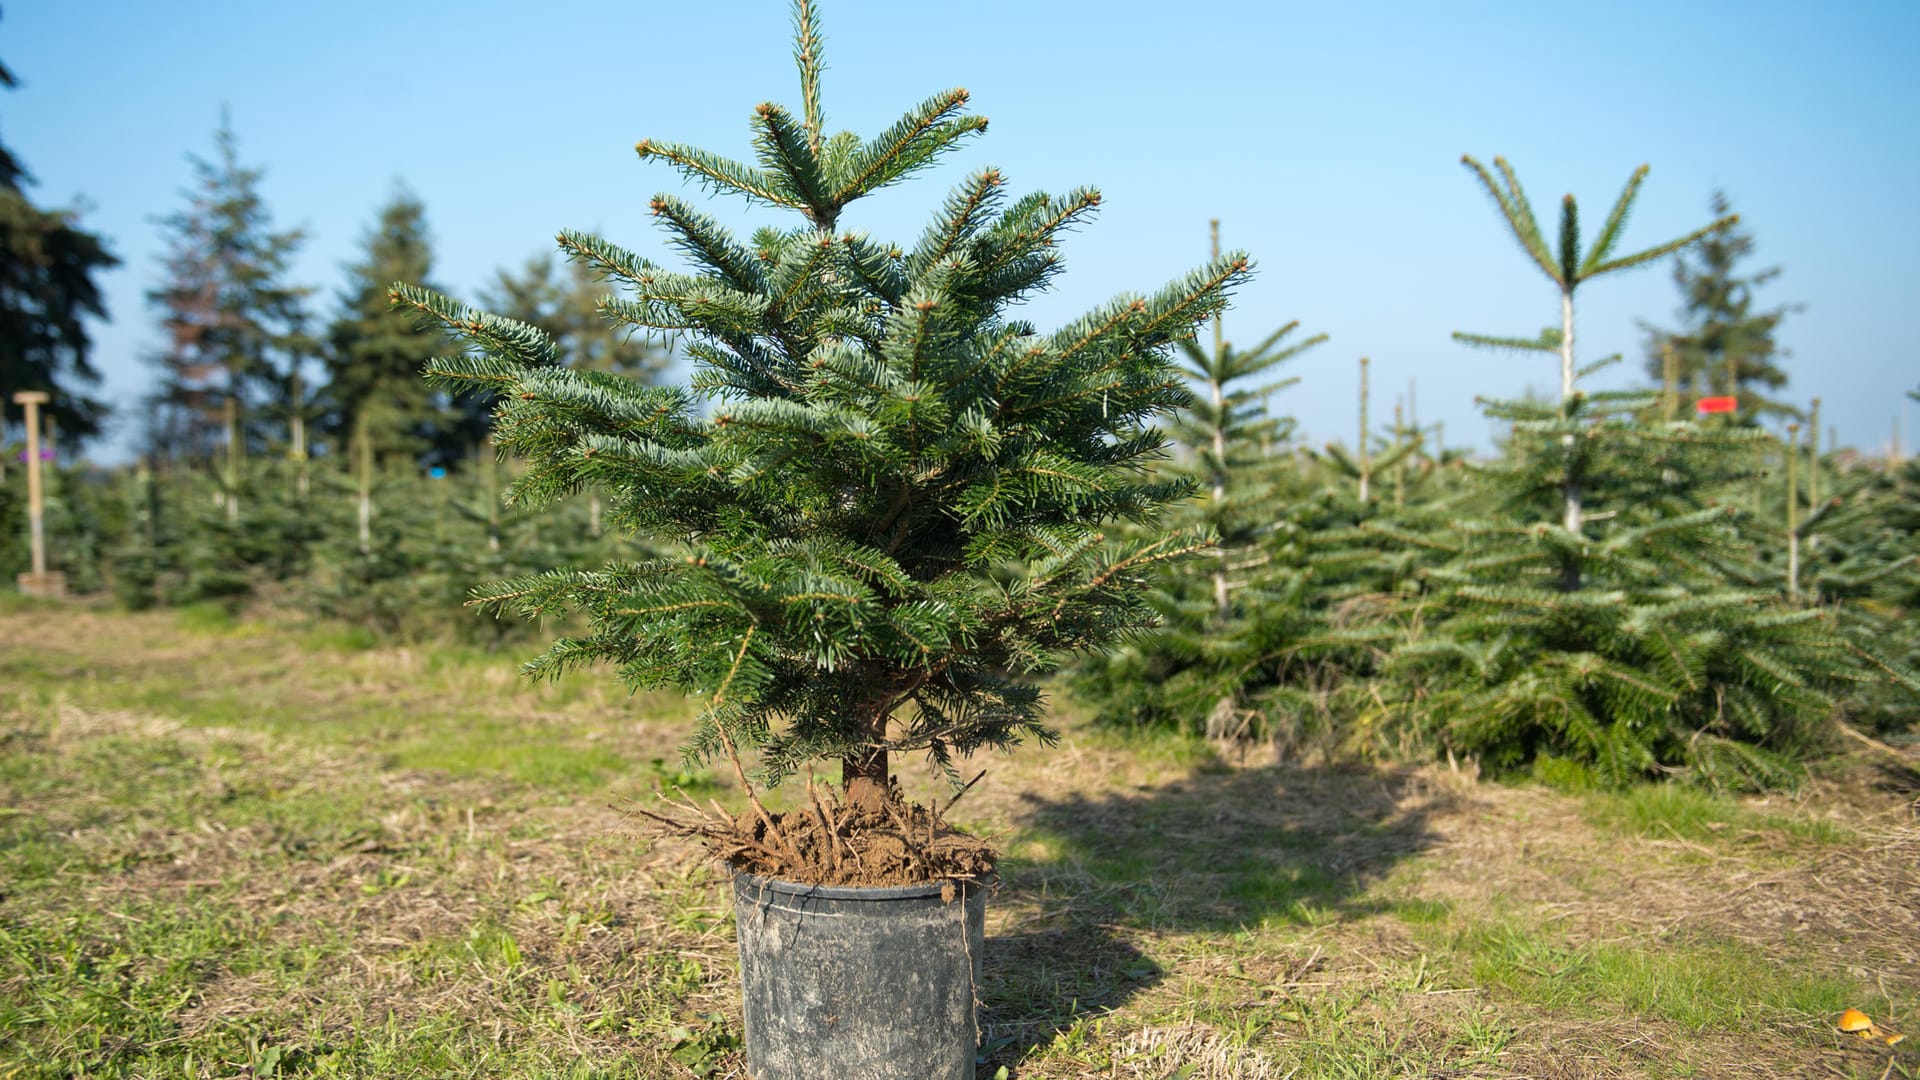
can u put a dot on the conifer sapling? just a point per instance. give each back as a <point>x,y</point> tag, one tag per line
<point>884,500</point>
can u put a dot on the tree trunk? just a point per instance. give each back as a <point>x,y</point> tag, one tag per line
<point>1573,518</point>
<point>1222,603</point>
<point>366,483</point>
<point>1792,447</point>
<point>870,762</point>
<point>233,459</point>
<point>297,431</point>
<point>1362,449</point>
<point>871,765</point>
<point>1571,489</point>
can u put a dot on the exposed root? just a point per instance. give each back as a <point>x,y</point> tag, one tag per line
<point>867,836</point>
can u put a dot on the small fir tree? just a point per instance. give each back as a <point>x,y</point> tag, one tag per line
<point>1567,266</point>
<point>1866,570</point>
<point>885,500</point>
<point>1628,638</point>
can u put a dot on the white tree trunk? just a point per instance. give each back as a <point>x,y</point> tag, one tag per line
<point>1571,490</point>
<point>1220,598</point>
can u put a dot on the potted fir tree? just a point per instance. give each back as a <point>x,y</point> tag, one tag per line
<point>881,502</point>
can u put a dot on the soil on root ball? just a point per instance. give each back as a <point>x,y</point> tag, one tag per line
<point>867,836</point>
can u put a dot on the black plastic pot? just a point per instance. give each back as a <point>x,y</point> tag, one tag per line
<point>859,983</point>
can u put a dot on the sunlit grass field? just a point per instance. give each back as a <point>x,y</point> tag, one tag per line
<point>260,848</point>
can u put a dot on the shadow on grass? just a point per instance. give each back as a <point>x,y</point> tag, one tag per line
<point>1216,852</point>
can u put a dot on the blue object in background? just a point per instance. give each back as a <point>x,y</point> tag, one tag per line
<point>438,472</point>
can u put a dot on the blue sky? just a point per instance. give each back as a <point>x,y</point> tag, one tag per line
<point>1325,137</point>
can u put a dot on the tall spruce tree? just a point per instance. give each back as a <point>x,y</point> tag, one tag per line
<point>1629,638</point>
<point>1725,344</point>
<point>374,354</point>
<point>232,319</point>
<point>886,501</point>
<point>48,291</point>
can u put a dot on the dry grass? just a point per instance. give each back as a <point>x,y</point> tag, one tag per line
<point>247,851</point>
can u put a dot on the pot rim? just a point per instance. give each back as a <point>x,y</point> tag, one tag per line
<point>742,879</point>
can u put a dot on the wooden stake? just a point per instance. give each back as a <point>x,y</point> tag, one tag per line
<point>37,581</point>
<point>490,490</point>
<point>1364,468</point>
<point>366,482</point>
<point>1813,466</point>
<point>1400,470</point>
<point>1222,598</point>
<point>1219,330</point>
<point>1669,381</point>
<point>297,451</point>
<point>1793,512</point>
<point>233,459</point>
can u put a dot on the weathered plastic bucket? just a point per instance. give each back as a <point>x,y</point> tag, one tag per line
<point>859,983</point>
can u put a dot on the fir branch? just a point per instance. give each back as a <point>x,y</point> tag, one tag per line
<point>716,173</point>
<point>1513,206</point>
<point>459,372</point>
<point>961,217</point>
<point>1547,342</point>
<point>505,339</point>
<point>877,269</point>
<point>705,240</point>
<point>1569,242</point>
<point>807,57</point>
<point>608,259</point>
<point>1661,251</point>
<point>913,140</point>
<point>1615,224</point>
<point>788,151</point>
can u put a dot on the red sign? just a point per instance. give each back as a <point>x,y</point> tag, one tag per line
<point>1708,405</point>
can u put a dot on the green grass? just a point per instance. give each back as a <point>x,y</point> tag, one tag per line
<point>213,866</point>
<point>229,848</point>
<point>1698,985</point>
<point>1685,813</point>
<point>417,707</point>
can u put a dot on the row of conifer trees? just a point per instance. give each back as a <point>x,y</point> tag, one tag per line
<point>1624,589</point>
<point>1727,596</point>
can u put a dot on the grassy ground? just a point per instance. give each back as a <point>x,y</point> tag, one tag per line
<point>248,850</point>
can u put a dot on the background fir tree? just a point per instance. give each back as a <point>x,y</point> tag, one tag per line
<point>231,318</point>
<point>1725,344</point>
<point>1201,669</point>
<point>48,266</point>
<point>1865,568</point>
<point>374,354</point>
<point>565,303</point>
<point>884,498</point>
